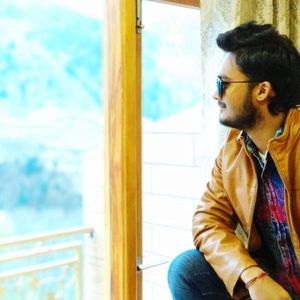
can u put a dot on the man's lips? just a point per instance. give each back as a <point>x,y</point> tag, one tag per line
<point>221,104</point>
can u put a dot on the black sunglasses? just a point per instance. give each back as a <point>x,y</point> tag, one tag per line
<point>220,84</point>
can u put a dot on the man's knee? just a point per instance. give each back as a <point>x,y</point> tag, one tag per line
<point>184,265</point>
<point>190,276</point>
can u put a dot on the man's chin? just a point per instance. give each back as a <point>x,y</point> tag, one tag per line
<point>224,122</point>
<point>222,118</point>
<point>228,123</point>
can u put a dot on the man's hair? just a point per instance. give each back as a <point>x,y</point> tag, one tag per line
<point>265,55</point>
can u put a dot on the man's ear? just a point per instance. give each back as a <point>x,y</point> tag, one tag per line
<point>264,91</point>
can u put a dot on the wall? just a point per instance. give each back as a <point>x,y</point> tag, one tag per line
<point>178,154</point>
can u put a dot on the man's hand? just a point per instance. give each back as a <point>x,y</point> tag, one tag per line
<point>266,288</point>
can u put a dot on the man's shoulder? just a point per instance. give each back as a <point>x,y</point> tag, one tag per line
<point>294,114</point>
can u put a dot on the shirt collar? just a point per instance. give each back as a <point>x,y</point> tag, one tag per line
<point>251,147</point>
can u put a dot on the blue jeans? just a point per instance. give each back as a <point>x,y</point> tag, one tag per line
<point>190,277</point>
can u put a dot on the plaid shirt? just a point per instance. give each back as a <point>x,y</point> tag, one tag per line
<point>270,218</point>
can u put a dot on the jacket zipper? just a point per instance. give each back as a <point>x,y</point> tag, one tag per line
<point>254,197</point>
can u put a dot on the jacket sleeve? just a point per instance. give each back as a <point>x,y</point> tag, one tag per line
<point>214,225</point>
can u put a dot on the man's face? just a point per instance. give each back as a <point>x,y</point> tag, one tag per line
<point>236,103</point>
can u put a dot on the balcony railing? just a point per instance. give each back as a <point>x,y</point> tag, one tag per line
<point>43,266</point>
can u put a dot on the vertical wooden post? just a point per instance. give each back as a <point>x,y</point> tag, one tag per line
<point>122,149</point>
<point>139,232</point>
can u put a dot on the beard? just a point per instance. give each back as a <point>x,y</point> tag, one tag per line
<point>246,118</point>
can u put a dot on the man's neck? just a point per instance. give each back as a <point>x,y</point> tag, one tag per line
<point>265,130</point>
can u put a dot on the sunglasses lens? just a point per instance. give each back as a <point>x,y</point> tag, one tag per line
<point>220,86</point>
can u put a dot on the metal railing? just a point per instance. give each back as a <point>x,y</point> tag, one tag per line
<point>43,266</point>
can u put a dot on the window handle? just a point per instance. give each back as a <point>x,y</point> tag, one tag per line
<point>143,263</point>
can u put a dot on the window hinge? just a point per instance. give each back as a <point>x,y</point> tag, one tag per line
<point>139,23</point>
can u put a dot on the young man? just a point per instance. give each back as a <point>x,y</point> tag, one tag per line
<point>246,226</point>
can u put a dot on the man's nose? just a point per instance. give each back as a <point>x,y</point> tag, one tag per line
<point>215,95</point>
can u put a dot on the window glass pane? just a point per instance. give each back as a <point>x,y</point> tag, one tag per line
<point>178,144</point>
<point>51,129</point>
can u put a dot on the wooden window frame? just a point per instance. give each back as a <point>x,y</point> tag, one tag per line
<point>122,186</point>
<point>187,3</point>
<point>122,172</point>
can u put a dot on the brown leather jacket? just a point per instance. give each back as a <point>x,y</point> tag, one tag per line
<point>229,201</point>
